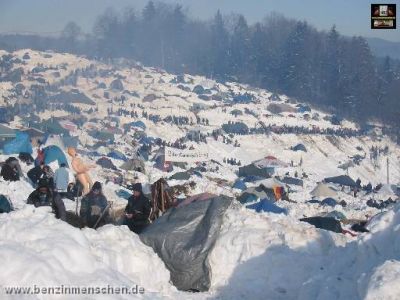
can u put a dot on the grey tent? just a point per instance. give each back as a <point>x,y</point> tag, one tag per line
<point>252,170</point>
<point>322,191</point>
<point>180,176</point>
<point>299,147</point>
<point>341,180</point>
<point>134,164</point>
<point>106,163</point>
<point>183,238</point>
<point>292,181</point>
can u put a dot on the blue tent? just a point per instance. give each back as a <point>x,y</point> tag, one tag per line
<point>303,108</point>
<point>329,201</point>
<point>266,205</point>
<point>5,205</point>
<point>138,124</point>
<point>21,143</point>
<point>117,155</point>
<point>299,147</point>
<point>252,178</point>
<point>123,194</point>
<point>240,185</point>
<point>54,153</point>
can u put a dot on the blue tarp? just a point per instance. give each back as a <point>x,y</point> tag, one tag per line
<point>54,153</point>
<point>21,143</point>
<point>5,205</point>
<point>117,155</point>
<point>239,184</point>
<point>138,124</point>
<point>329,201</point>
<point>252,178</point>
<point>313,201</point>
<point>266,205</point>
<point>299,147</point>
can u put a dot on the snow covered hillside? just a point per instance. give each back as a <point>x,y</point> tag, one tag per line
<point>123,106</point>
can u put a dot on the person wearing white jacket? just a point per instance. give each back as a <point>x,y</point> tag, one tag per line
<point>61,179</point>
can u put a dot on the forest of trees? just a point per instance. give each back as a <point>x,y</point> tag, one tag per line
<point>325,69</point>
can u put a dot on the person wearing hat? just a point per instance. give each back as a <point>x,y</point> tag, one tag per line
<point>44,196</point>
<point>94,207</point>
<point>137,211</point>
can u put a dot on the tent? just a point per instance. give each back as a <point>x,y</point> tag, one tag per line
<point>269,162</point>
<point>259,192</point>
<point>21,143</point>
<point>335,214</point>
<point>341,180</point>
<point>180,176</point>
<point>277,108</point>
<point>54,153</point>
<point>106,163</point>
<point>253,170</point>
<point>346,165</point>
<point>329,202</point>
<point>134,164</point>
<point>5,205</point>
<point>266,205</point>
<point>160,162</point>
<point>137,124</point>
<point>198,197</point>
<point>323,190</point>
<point>117,155</point>
<point>299,147</point>
<point>326,223</point>
<point>301,108</point>
<point>184,249</point>
<point>63,142</point>
<point>292,181</point>
<point>240,185</point>
<point>102,150</point>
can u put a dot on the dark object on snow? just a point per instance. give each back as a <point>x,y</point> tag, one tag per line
<point>299,147</point>
<point>117,85</point>
<point>184,249</point>
<point>343,203</point>
<point>106,163</point>
<point>266,205</point>
<point>9,173</point>
<point>341,180</point>
<point>313,201</point>
<point>5,205</point>
<point>329,201</point>
<point>292,181</point>
<point>380,204</point>
<point>327,223</point>
<point>161,200</point>
<point>359,227</point>
<point>180,176</point>
<point>253,170</point>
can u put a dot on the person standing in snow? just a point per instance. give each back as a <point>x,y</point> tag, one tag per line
<point>137,211</point>
<point>61,180</point>
<point>94,207</point>
<point>44,196</point>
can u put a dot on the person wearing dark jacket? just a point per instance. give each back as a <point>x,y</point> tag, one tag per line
<point>35,173</point>
<point>44,196</point>
<point>94,207</point>
<point>137,211</point>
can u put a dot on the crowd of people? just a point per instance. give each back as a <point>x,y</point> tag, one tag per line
<point>52,188</point>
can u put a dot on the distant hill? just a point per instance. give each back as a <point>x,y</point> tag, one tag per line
<point>382,48</point>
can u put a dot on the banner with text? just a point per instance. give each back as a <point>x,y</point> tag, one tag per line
<point>186,155</point>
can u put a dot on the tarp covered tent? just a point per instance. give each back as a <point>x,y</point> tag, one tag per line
<point>160,162</point>
<point>184,249</point>
<point>323,190</point>
<point>292,181</point>
<point>134,164</point>
<point>117,155</point>
<point>240,185</point>
<point>346,165</point>
<point>259,192</point>
<point>137,124</point>
<point>63,142</point>
<point>301,108</point>
<point>180,176</point>
<point>54,153</point>
<point>21,143</point>
<point>106,163</point>
<point>266,205</point>
<point>326,223</point>
<point>329,202</point>
<point>269,162</point>
<point>198,197</point>
<point>5,205</point>
<point>299,147</point>
<point>341,180</point>
<point>277,108</point>
<point>253,170</point>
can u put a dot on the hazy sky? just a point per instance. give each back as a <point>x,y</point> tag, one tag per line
<point>350,16</point>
